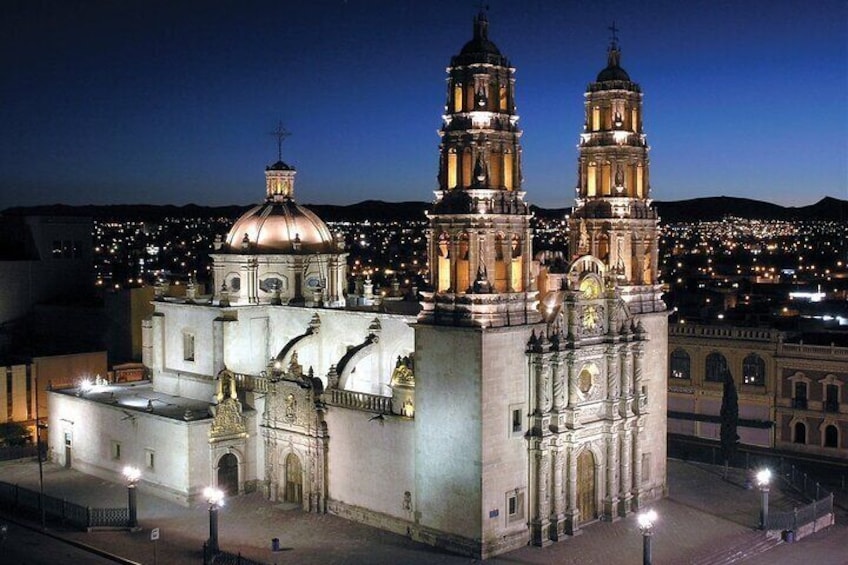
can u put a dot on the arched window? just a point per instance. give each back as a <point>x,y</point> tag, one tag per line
<point>679,366</point>
<point>800,435</point>
<point>831,436</point>
<point>452,168</point>
<point>716,366</point>
<point>754,370</point>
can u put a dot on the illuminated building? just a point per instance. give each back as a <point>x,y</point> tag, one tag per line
<point>520,405</point>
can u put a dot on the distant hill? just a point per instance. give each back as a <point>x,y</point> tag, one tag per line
<point>716,208</point>
<point>703,209</point>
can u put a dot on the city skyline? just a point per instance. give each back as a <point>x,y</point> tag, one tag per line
<point>161,104</point>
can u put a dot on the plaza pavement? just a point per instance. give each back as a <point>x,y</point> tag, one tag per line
<point>705,520</point>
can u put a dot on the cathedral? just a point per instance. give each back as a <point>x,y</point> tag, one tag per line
<point>523,402</point>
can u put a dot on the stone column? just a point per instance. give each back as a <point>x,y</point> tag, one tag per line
<point>636,487</point>
<point>506,252</point>
<point>612,373</point>
<point>558,499</point>
<point>572,514</point>
<point>473,256</point>
<point>611,500</point>
<point>626,382</point>
<point>541,517</point>
<point>638,358</point>
<point>572,381</point>
<point>626,465</point>
<point>557,377</point>
<point>454,263</point>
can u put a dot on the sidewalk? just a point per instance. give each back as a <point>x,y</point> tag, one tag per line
<point>703,516</point>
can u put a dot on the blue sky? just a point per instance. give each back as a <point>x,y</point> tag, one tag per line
<point>171,102</point>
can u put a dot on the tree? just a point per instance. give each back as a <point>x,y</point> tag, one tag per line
<point>729,419</point>
<point>14,434</point>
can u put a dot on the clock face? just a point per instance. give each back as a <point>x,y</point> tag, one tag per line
<point>590,288</point>
<point>313,283</point>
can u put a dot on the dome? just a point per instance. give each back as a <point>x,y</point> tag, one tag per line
<point>612,73</point>
<point>279,166</point>
<point>613,70</point>
<point>480,45</point>
<point>480,49</point>
<point>280,226</point>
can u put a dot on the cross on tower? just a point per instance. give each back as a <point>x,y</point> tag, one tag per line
<point>280,133</point>
<point>614,37</point>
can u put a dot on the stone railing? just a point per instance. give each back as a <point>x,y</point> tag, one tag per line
<point>814,351</point>
<point>722,332</point>
<point>359,401</point>
<point>252,383</point>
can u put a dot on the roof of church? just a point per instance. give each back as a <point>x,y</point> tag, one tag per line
<point>140,398</point>
<point>480,49</point>
<point>280,226</point>
<point>613,70</point>
<point>279,166</point>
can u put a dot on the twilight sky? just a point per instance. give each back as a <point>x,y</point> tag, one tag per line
<point>171,102</point>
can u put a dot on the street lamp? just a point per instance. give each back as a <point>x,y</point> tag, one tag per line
<point>646,524</point>
<point>215,498</point>
<point>132,475</point>
<point>763,479</point>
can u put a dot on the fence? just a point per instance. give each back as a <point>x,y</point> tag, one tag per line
<point>821,505</point>
<point>22,499</point>
<point>821,498</point>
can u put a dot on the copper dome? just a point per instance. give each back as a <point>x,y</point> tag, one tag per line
<point>280,226</point>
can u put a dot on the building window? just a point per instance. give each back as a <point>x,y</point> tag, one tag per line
<point>150,458</point>
<point>116,451</point>
<point>831,436</point>
<point>514,506</point>
<point>646,467</point>
<point>799,399</point>
<point>679,366</point>
<point>188,347</point>
<point>800,433</point>
<point>716,367</point>
<point>831,398</point>
<point>516,420</point>
<point>754,370</point>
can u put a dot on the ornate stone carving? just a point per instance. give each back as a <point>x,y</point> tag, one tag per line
<point>228,422</point>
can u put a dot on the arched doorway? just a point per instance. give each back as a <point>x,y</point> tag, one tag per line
<point>586,487</point>
<point>228,474</point>
<point>294,479</point>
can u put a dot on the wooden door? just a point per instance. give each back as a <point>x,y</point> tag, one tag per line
<point>586,487</point>
<point>294,479</point>
<point>228,474</point>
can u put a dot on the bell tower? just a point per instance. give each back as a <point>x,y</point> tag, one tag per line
<point>613,219</point>
<point>479,239</point>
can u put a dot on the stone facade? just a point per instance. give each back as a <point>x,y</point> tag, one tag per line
<point>520,405</point>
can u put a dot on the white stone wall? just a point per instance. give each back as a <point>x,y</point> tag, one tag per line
<point>448,429</point>
<point>179,466</point>
<point>654,377</point>
<point>258,333</point>
<point>505,464</point>
<point>371,462</point>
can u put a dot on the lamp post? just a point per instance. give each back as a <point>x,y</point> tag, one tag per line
<point>763,479</point>
<point>646,524</point>
<point>132,475</point>
<point>215,498</point>
<point>38,427</point>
